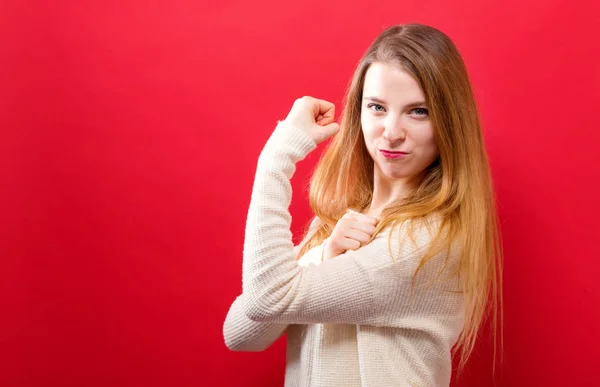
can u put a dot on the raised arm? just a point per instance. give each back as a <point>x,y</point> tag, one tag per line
<point>243,334</point>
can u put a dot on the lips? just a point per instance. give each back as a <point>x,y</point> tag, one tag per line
<point>392,154</point>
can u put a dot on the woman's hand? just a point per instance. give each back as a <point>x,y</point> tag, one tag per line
<point>350,233</point>
<point>315,117</point>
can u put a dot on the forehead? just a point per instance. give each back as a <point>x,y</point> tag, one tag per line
<point>391,84</point>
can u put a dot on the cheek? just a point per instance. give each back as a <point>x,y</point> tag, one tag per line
<point>364,123</point>
<point>369,129</point>
<point>431,149</point>
<point>424,137</point>
<point>370,126</point>
<point>424,140</point>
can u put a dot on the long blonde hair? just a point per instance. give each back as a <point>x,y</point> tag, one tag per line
<point>457,186</point>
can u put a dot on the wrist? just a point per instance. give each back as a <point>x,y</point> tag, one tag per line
<point>328,252</point>
<point>323,250</point>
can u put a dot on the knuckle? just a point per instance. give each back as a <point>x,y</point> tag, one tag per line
<point>368,223</point>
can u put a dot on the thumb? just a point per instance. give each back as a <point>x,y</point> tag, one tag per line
<point>332,129</point>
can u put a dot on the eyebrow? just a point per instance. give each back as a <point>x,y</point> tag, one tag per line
<point>413,104</point>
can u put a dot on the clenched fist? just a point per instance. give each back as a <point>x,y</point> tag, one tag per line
<point>315,117</point>
<point>350,233</point>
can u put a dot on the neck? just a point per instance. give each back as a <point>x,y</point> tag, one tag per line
<point>387,191</point>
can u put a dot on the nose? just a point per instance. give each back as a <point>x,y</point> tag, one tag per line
<point>394,130</point>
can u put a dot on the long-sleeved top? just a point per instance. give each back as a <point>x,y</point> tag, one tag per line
<point>353,320</point>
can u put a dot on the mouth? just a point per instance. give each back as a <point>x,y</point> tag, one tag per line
<point>392,154</point>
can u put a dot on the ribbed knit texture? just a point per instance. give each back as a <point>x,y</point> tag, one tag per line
<point>350,321</point>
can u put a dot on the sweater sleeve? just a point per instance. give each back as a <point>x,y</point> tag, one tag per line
<point>242,334</point>
<point>365,286</point>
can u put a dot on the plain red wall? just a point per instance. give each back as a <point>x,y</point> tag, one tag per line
<point>129,136</point>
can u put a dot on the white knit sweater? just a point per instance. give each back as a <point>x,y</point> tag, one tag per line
<point>351,320</point>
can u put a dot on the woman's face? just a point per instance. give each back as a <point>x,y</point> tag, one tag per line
<point>394,118</point>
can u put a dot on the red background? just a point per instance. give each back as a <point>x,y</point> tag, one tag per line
<point>129,136</point>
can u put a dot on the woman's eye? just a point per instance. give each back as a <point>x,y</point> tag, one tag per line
<point>421,111</point>
<point>376,105</point>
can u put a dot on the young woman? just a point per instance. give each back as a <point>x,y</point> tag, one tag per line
<point>401,263</point>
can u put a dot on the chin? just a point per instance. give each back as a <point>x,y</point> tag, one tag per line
<point>393,174</point>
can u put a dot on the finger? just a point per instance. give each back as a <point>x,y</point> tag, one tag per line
<point>359,216</point>
<point>351,244</point>
<point>325,109</point>
<point>323,120</point>
<point>367,219</point>
<point>365,227</point>
<point>358,235</point>
<point>349,215</point>
<point>331,129</point>
<point>351,221</point>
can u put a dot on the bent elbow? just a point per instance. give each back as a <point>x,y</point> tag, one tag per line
<point>240,341</point>
<point>234,343</point>
<point>241,344</point>
<point>257,310</point>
